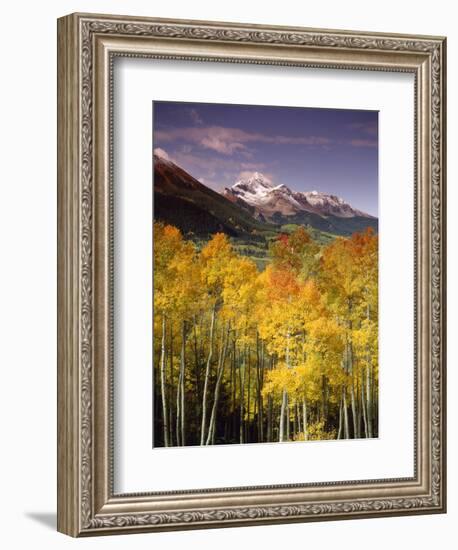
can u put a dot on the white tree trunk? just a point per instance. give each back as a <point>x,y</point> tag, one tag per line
<point>182,382</point>
<point>207,375</point>
<point>345,412</point>
<point>356,434</point>
<point>281,431</point>
<point>220,371</point>
<point>339,433</point>
<point>363,406</point>
<point>163,392</point>
<point>287,414</point>
<point>368,402</point>
<point>304,418</point>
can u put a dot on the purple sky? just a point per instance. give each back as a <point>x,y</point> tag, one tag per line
<point>329,150</point>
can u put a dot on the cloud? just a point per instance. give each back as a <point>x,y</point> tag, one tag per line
<point>161,153</point>
<point>247,174</point>
<point>195,117</point>
<point>228,141</point>
<point>202,163</point>
<point>215,171</point>
<point>221,145</point>
<point>363,142</point>
<point>252,165</point>
<point>370,128</point>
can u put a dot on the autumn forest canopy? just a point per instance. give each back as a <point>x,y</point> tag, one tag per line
<point>283,352</point>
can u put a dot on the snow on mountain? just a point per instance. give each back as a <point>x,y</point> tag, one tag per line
<point>254,187</point>
<point>162,155</point>
<point>331,204</point>
<point>259,192</point>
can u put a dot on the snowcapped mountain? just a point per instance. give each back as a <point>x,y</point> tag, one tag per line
<point>256,184</point>
<point>270,200</point>
<point>198,211</point>
<point>259,192</point>
<point>332,205</point>
<point>249,210</point>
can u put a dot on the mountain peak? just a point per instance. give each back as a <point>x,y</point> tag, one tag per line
<point>160,154</point>
<point>254,183</point>
<point>332,205</point>
<point>268,199</point>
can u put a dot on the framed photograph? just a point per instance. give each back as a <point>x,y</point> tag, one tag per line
<point>251,289</point>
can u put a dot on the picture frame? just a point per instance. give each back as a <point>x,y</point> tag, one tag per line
<point>87,46</point>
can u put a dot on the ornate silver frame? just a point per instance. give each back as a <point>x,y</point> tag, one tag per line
<point>87,45</point>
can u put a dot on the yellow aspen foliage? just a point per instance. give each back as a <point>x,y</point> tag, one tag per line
<point>288,352</point>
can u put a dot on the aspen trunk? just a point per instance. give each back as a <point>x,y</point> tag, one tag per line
<point>368,402</point>
<point>281,431</point>
<point>287,411</point>
<point>196,364</point>
<point>163,386</point>
<point>171,385</point>
<point>363,407</point>
<point>182,382</point>
<point>324,412</point>
<point>269,418</point>
<point>242,370</point>
<point>234,390</point>
<point>284,402</point>
<point>178,407</point>
<point>339,433</point>
<point>304,418</point>
<point>297,417</point>
<point>359,409</point>
<point>345,412</point>
<point>247,425</point>
<point>368,386</point>
<point>220,372</point>
<point>259,358</point>
<point>207,375</point>
<point>374,405</point>
<point>354,413</point>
